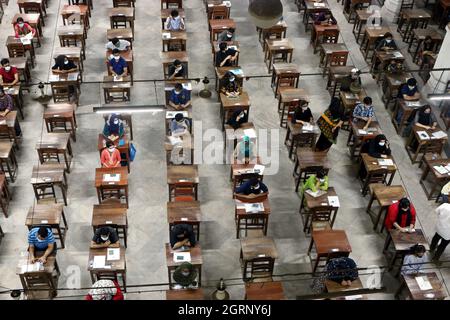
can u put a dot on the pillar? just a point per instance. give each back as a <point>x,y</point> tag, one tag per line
<point>438,79</point>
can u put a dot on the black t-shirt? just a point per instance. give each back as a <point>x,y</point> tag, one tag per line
<point>68,66</point>
<point>113,237</point>
<point>178,74</point>
<point>186,230</point>
<point>220,56</point>
<point>302,115</point>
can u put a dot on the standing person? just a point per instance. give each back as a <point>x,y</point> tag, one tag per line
<point>64,65</point>
<point>180,98</point>
<point>9,76</point>
<point>226,57</point>
<point>364,112</point>
<point>22,28</point>
<point>329,124</point>
<point>113,128</point>
<point>110,157</point>
<point>441,238</point>
<point>175,22</point>
<point>445,192</point>
<point>414,262</point>
<point>119,44</point>
<point>302,113</point>
<point>227,35</point>
<point>118,66</point>
<point>401,216</point>
<point>176,70</point>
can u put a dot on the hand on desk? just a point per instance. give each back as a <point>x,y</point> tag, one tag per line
<point>42,259</point>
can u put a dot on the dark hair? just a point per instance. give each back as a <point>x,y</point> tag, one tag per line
<point>179,117</point>
<point>428,38</point>
<point>109,144</point>
<point>2,90</point>
<point>425,107</point>
<point>59,60</point>
<point>388,35</point>
<point>404,203</point>
<point>115,40</point>
<point>321,174</point>
<point>178,86</point>
<point>19,19</point>
<point>176,62</point>
<point>104,231</point>
<point>335,107</point>
<point>367,100</point>
<point>254,181</point>
<point>222,46</point>
<point>43,232</point>
<point>418,248</point>
<point>179,229</point>
<point>231,30</point>
<point>229,74</point>
<point>303,103</point>
<point>4,61</point>
<point>411,82</point>
<point>174,13</point>
<point>115,51</point>
<point>380,137</point>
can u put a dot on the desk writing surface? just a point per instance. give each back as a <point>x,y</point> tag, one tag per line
<point>412,105</point>
<point>12,90</point>
<point>116,265</point>
<point>309,158</point>
<point>168,57</point>
<point>238,134</point>
<point>178,212</point>
<point>242,100</point>
<point>309,4</point>
<point>221,71</point>
<point>415,14</point>
<point>222,24</point>
<point>61,78</point>
<point>329,48</point>
<point>10,119</point>
<point>297,129</point>
<point>174,35</point>
<point>257,248</point>
<point>281,67</point>
<point>293,94</point>
<point>186,173</point>
<point>30,18</point>
<point>185,294</point>
<point>280,26</point>
<point>436,293</point>
<point>363,14</point>
<point>196,256</point>
<point>242,212</point>
<point>319,28</point>
<point>186,143</point>
<point>53,140</point>
<point>388,195</point>
<point>109,83</point>
<point>279,44</point>
<point>417,129</point>
<point>99,172</point>
<point>73,9</point>
<point>104,214</point>
<point>403,241</point>
<point>47,173</point>
<point>321,201</point>
<point>122,33</point>
<point>371,132</point>
<point>398,78</point>
<point>70,52</point>
<point>438,162</point>
<point>385,56</point>
<point>44,214</point>
<point>71,30</point>
<point>264,291</point>
<point>340,70</point>
<point>240,168</point>
<point>49,265</point>
<point>64,111</point>
<point>376,32</point>
<point>423,33</point>
<point>372,165</point>
<point>121,11</point>
<point>165,13</point>
<point>329,240</point>
<point>333,286</point>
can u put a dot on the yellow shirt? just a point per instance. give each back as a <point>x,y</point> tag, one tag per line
<point>446,189</point>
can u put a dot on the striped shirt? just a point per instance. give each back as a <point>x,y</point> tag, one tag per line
<point>37,243</point>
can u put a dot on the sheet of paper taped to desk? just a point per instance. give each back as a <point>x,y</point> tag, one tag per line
<point>113,254</point>
<point>307,127</point>
<point>260,168</point>
<point>254,207</point>
<point>334,201</point>
<point>111,177</point>
<point>182,257</point>
<point>99,262</point>
<point>439,135</point>
<point>385,162</point>
<point>166,35</point>
<point>423,283</point>
<point>441,169</point>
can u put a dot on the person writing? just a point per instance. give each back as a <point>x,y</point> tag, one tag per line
<point>41,240</point>
<point>425,118</point>
<point>441,238</point>
<point>302,113</point>
<point>230,86</point>
<point>252,187</point>
<point>182,235</point>
<point>119,44</point>
<point>6,102</point>
<point>316,182</point>
<point>179,126</point>
<point>22,29</point>
<point>226,57</point>
<point>113,128</point>
<point>387,43</point>
<point>180,98</point>
<point>379,147</point>
<point>409,91</point>
<point>64,65</point>
<point>105,237</point>
<point>415,261</point>
<point>175,22</point>
<point>364,112</point>
<point>118,66</point>
<point>401,216</point>
<point>9,76</point>
<point>110,157</point>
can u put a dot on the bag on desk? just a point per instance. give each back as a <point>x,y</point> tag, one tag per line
<point>132,152</point>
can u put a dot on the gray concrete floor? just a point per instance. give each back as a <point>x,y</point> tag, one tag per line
<point>148,229</point>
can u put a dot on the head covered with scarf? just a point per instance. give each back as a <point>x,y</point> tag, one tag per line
<point>103,290</point>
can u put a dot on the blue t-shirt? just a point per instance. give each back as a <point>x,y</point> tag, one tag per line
<point>409,92</point>
<point>119,65</point>
<point>246,188</point>
<point>182,98</point>
<point>40,244</point>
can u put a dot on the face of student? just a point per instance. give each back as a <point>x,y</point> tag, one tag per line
<point>7,67</point>
<point>256,186</point>
<point>104,237</point>
<point>232,79</point>
<point>185,272</point>
<point>117,56</point>
<point>66,61</point>
<point>388,39</point>
<point>420,254</point>
<point>405,209</point>
<point>382,143</point>
<point>112,148</point>
<point>21,24</point>
<point>427,111</point>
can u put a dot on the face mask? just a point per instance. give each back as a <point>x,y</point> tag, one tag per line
<point>185,273</point>
<point>321,180</point>
<point>427,111</point>
<point>105,238</point>
<point>111,149</point>
<point>177,92</point>
<point>21,25</point>
<point>304,108</point>
<point>381,144</point>
<point>231,79</point>
<point>411,87</point>
<point>388,40</point>
<point>66,62</point>
<point>116,58</point>
<point>229,35</point>
<point>116,121</point>
<point>7,68</point>
<point>255,187</point>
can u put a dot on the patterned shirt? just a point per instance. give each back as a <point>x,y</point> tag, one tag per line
<point>37,243</point>
<point>363,111</point>
<point>6,103</point>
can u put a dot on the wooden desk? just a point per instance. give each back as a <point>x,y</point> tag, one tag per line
<point>177,175</point>
<point>228,105</point>
<point>167,58</point>
<point>439,180</point>
<point>440,12</point>
<point>65,87</point>
<point>417,144</point>
<point>278,50</point>
<point>165,13</point>
<point>332,286</point>
<point>170,4</point>
<point>71,12</point>
<point>55,143</point>
<point>12,122</point>
<point>37,6</point>
<point>309,162</point>
<point>318,31</point>
<point>407,108</point>
<point>48,215</point>
<point>196,261</point>
<point>180,153</point>
<point>358,136</point>
<point>438,291</point>
<point>326,51</point>
<point>184,212</point>
<point>312,8</point>
<point>216,27</point>
<point>350,8</point>
<point>309,205</point>
<point>177,39</point>
<point>329,242</point>
<point>385,196</point>
<point>112,268</point>
<point>418,36</point>
<point>350,100</point>
<point>264,291</point>
<point>370,38</point>
<point>403,241</point>
<point>88,2</point>
<point>116,90</point>
<point>283,70</point>
<point>121,17</point>
<point>360,21</point>
<point>275,32</point>
<point>212,6</point>
<point>252,251</point>
<point>8,160</point>
<point>114,216</point>
<point>185,294</point>
<point>128,56</point>
<point>73,35</point>
<point>375,172</point>
<point>124,3</point>
<point>254,221</point>
<point>72,53</point>
<point>241,172</point>
<point>335,76</point>
<point>122,33</point>
<point>111,188</point>
<point>297,137</point>
<point>123,148</point>
<point>17,49</point>
<point>412,19</point>
<point>48,176</point>
<point>381,59</point>
<point>288,99</point>
<point>391,83</point>
<point>57,115</point>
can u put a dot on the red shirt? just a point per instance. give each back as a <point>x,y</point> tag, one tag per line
<point>117,296</point>
<point>8,77</point>
<point>392,216</point>
<point>24,30</point>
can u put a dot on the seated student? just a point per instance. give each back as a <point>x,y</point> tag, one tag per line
<point>179,126</point>
<point>180,98</point>
<point>445,192</point>
<point>22,28</point>
<point>324,18</point>
<point>387,43</point>
<point>238,118</point>
<point>352,82</point>
<point>252,187</point>
<point>245,151</point>
<point>6,103</point>
<point>113,128</point>
<point>395,66</point>
<point>118,66</point>
<point>41,239</point>
<point>110,157</point>
<point>410,92</point>
<point>8,74</point>
<point>302,114</point>
<point>185,275</point>
<point>182,235</point>
<point>379,147</point>
<point>401,216</point>
<point>226,57</point>
<point>63,65</point>
<point>316,182</point>
<point>105,237</point>
<point>105,290</point>
<point>230,86</point>
<point>415,261</point>
<point>175,22</point>
<point>342,270</point>
<point>364,112</point>
<point>119,44</point>
<point>176,70</point>
<point>426,51</point>
<point>227,35</point>
<point>425,118</point>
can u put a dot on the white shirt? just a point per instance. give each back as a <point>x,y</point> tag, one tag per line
<point>123,44</point>
<point>174,24</point>
<point>413,264</point>
<point>443,223</point>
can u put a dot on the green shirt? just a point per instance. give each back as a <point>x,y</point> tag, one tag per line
<point>310,184</point>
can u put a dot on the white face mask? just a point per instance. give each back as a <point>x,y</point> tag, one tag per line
<point>117,58</point>
<point>111,149</point>
<point>104,238</point>
<point>388,40</point>
<point>305,108</point>
<point>7,68</point>
<point>231,79</point>
<point>381,144</point>
<point>411,87</point>
<point>185,273</point>
<point>229,35</point>
<point>321,180</point>
<point>177,92</point>
<point>255,187</point>
<point>21,25</point>
<point>66,62</point>
<point>116,121</point>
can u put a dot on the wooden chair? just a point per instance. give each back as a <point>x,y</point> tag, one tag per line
<point>319,219</point>
<point>48,155</point>
<point>184,191</point>
<point>171,4</point>
<point>118,22</point>
<point>61,93</point>
<point>45,193</point>
<point>286,81</point>
<point>328,36</point>
<point>5,196</point>
<point>16,50</point>
<point>337,58</point>
<point>219,12</point>
<point>5,134</point>
<point>37,284</point>
<point>254,225</point>
<point>259,269</point>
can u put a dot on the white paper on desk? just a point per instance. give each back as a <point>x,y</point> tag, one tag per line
<point>171,114</point>
<point>360,131</point>
<point>316,4</point>
<point>355,297</point>
<point>117,78</point>
<point>232,47</point>
<point>99,262</point>
<point>413,104</point>
<point>227,3</point>
<point>238,72</point>
<point>440,169</point>
<point>2,121</point>
<point>334,201</point>
<point>308,127</point>
<point>32,267</point>
<point>181,257</point>
<point>385,162</point>
<point>251,133</point>
<point>187,86</point>
<point>423,135</point>
<point>254,207</point>
<point>316,194</point>
<point>423,283</point>
<point>166,35</point>
<point>260,168</point>
<point>113,254</point>
<point>175,140</point>
<point>397,54</point>
<point>439,135</point>
<point>53,77</point>
<point>447,167</point>
<point>114,177</point>
<point>351,96</point>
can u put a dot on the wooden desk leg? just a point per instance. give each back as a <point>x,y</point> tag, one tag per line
<point>369,206</point>
<point>196,192</point>
<point>366,183</point>
<point>66,226</point>
<point>391,178</point>
<point>64,193</point>
<point>126,195</point>
<point>124,281</point>
<point>99,195</point>
<point>387,243</point>
<point>316,264</point>
<point>92,276</point>
<point>400,289</point>
<point>61,238</point>
<point>66,160</point>
<point>377,220</point>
